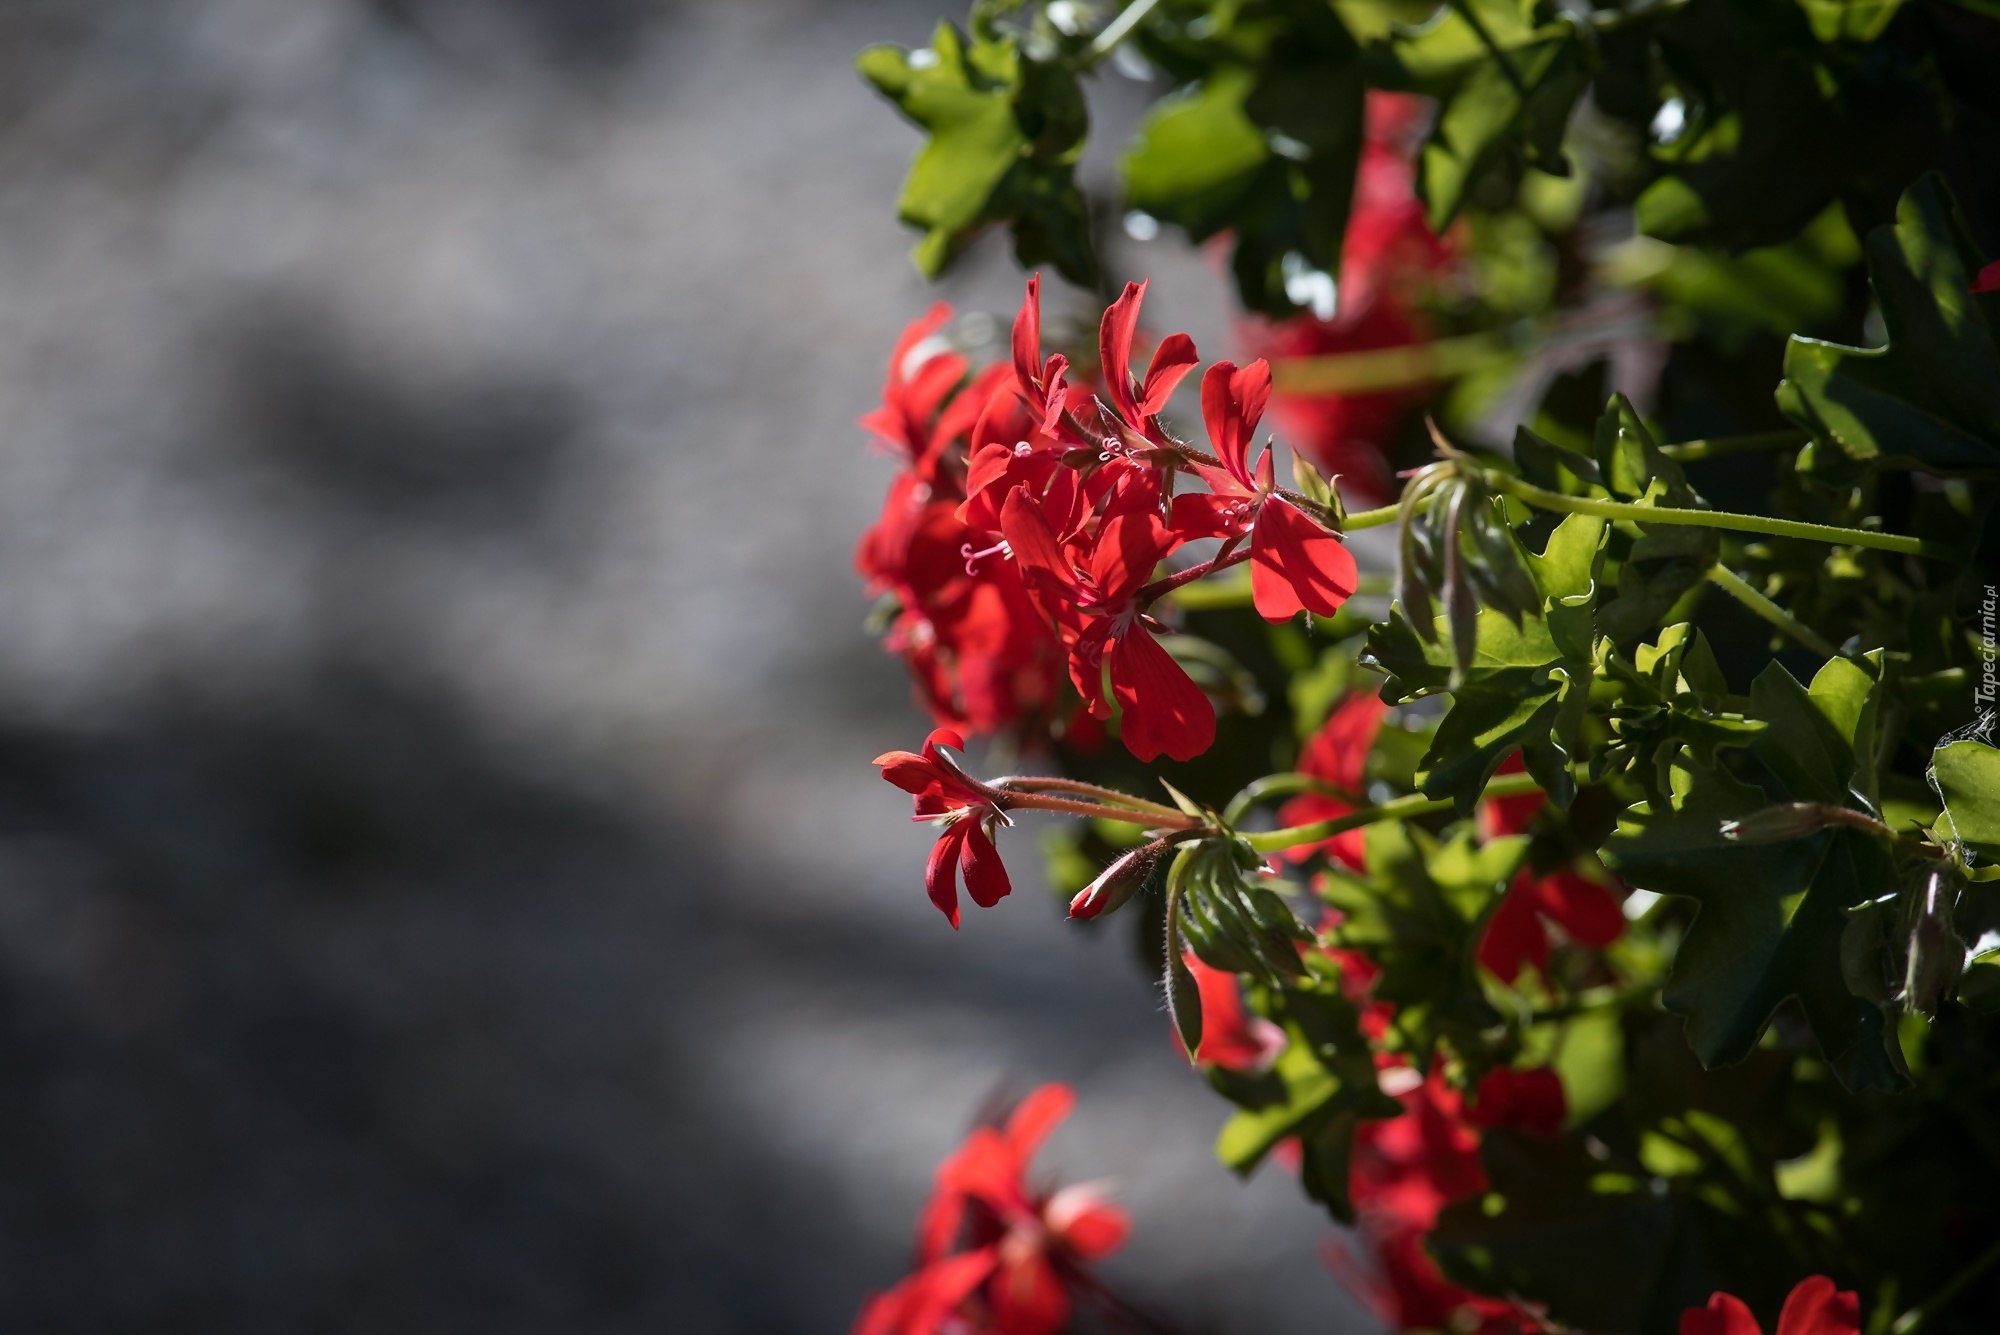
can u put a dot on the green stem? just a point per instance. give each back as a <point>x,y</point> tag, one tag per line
<point>1736,587</point>
<point>1465,11</point>
<point>1401,808</point>
<point>1282,785</point>
<point>1120,28</point>
<point>1916,1316</point>
<point>1716,447</point>
<point>1723,519</point>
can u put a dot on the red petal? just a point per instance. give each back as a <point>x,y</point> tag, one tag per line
<point>1128,547</point>
<point>1294,564</point>
<point>1581,907</point>
<point>1514,935</point>
<point>1530,1101</point>
<point>1988,279</point>
<point>1164,710</point>
<point>1200,514</point>
<point>911,773</point>
<point>1028,1296</point>
<point>1028,337</point>
<point>1510,815</point>
<point>1724,1315</point>
<point>985,875</point>
<point>1338,752</point>
<point>1044,568</point>
<point>1037,1115</point>
<point>1172,360</point>
<point>941,873</point>
<point>1086,1224</point>
<point>1114,350</point>
<point>1816,1308</point>
<point>1232,402</point>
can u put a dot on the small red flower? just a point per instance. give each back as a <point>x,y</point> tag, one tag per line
<point>1098,613</point>
<point>1987,280</point>
<point>1295,562</point>
<point>1023,1250</point>
<point>1138,401</point>
<point>968,814</point>
<point>1530,1101</point>
<point>1814,1307</point>
<point>1586,910</point>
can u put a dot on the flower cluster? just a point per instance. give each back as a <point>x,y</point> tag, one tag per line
<point>993,1256</point>
<point>980,656</point>
<point>1035,513</point>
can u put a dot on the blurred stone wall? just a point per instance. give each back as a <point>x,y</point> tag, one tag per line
<point>442,887</point>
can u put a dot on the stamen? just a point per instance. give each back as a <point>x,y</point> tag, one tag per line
<point>972,558</point>
<point>1022,447</point>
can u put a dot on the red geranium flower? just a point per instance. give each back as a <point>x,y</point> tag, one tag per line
<point>1164,711</point>
<point>945,796</point>
<point>1814,1307</point>
<point>1296,563</point>
<point>1988,279</point>
<point>1023,1250</point>
<point>1516,936</point>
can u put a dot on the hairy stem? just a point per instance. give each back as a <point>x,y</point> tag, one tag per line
<point>1401,808</point>
<point>1015,800</point>
<point>1723,519</point>
<point>1722,577</point>
<point>1078,788</point>
<point>1957,1284</point>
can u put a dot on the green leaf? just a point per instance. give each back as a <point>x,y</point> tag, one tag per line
<point>1507,75</point>
<point>1849,20</point>
<point>1771,915</point>
<point>1004,134</point>
<point>1931,398</point>
<point>1967,775</point>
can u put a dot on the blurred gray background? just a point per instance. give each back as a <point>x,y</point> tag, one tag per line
<point>442,884</point>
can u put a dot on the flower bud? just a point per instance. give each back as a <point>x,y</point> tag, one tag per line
<point>1117,882</point>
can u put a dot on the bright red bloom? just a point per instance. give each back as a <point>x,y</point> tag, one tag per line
<point>1098,613</point>
<point>1231,1037</point>
<point>1516,936</point>
<point>1814,1307</point>
<point>1406,1291</point>
<point>1296,563</point>
<point>944,796</point>
<point>1022,1250</point>
<point>978,653</point>
<point>1337,755</point>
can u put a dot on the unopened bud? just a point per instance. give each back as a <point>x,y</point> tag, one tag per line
<point>1117,882</point>
<point>1777,824</point>
<point>1936,957</point>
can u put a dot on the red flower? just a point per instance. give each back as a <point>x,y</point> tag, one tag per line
<point>1295,562</point>
<point>945,796</point>
<point>1530,1101</point>
<point>1023,1250</point>
<point>1164,711</point>
<point>1336,754</point>
<point>1408,1168</point>
<point>1988,279</point>
<point>1231,1037</point>
<point>1516,936</point>
<point>921,376</point>
<point>1814,1307</point>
